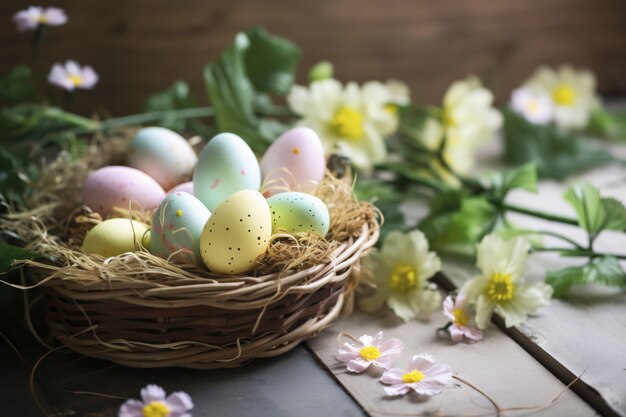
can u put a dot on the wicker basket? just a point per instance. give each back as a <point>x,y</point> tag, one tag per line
<point>138,314</point>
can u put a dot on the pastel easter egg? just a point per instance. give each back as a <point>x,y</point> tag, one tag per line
<point>294,162</point>
<point>176,228</point>
<point>118,186</point>
<point>185,187</point>
<point>163,154</point>
<point>237,233</point>
<point>113,237</point>
<point>295,212</point>
<point>226,165</point>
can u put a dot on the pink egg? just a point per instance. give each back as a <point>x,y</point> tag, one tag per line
<point>186,187</point>
<point>294,162</point>
<point>119,186</point>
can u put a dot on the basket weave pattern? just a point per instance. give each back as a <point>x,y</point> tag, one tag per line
<point>200,324</point>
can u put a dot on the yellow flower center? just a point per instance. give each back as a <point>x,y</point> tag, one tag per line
<point>155,409</point>
<point>460,317</point>
<point>347,123</point>
<point>564,95</point>
<point>532,107</point>
<point>391,108</point>
<point>403,278</point>
<point>500,288</point>
<point>369,353</point>
<point>76,79</point>
<point>413,376</point>
<point>447,118</point>
<point>41,19</point>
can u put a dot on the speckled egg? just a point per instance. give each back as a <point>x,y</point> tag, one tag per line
<point>294,162</point>
<point>176,228</point>
<point>118,186</point>
<point>295,212</point>
<point>226,165</point>
<point>186,187</point>
<point>237,233</point>
<point>163,154</point>
<point>113,237</point>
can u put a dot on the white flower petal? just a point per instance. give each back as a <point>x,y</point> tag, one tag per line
<point>484,311</point>
<point>401,306</point>
<point>131,408</point>
<point>427,388</point>
<point>358,365</point>
<point>396,390</point>
<point>179,403</point>
<point>151,393</point>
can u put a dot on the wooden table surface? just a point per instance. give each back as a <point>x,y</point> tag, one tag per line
<point>526,367</point>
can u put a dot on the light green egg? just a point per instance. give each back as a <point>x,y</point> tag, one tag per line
<point>295,212</point>
<point>116,236</point>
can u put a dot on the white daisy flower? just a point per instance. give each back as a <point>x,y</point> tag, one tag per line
<point>534,105</point>
<point>351,120</point>
<point>370,351</point>
<point>468,120</point>
<point>573,94</point>
<point>400,271</point>
<point>72,76</point>
<point>154,403</point>
<point>35,16</point>
<point>501,287</point>
<point>424,376</point>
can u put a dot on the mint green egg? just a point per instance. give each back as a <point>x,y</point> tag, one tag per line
<point>294,212</point>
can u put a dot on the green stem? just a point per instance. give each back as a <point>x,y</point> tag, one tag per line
<point>559,236</point>
<point>538,213</point>
<point>69,118</point>
<point>578,252</point>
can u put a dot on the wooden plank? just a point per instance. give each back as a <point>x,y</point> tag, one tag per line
<point>289,385</point>
<point>497,365</point>
<point>144,45</point>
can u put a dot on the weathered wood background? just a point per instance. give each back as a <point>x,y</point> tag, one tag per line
<point>140,46</point>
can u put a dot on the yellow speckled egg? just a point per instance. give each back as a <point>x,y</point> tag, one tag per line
<point>237,233</point>
<point>115,236</point>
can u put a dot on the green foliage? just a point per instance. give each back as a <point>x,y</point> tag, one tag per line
<point>456,223</point>
<point>17,86</point>
<point>255,62</point>
<point>595,213</point>
<point>556,153</point>
<point>321,71</point>
<point>608,125</point>
<point>522,177</point>
<point>9,253</point>
<point>604,270</point>
<point>174,97</point>
<point>271,62</point>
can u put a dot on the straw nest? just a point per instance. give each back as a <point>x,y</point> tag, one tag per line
<point>139,310</point>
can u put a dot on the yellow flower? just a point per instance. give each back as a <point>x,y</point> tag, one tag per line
<point>501,287</point>
<point>400,271</point>
<point>351,119</point>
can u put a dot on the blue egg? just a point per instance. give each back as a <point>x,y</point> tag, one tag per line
<point>176,228</point>
<point>294,212</point>
<point>225,165</point>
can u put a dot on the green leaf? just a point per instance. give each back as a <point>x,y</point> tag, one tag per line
<point>595,213</point>
<point>604,270</point>
<point>271,62</point>
<point>9,253</point>
<point>321,71</point>
<point>18,86</point>
<point>524,177</point>
<point>608,125</point>
<point>555,152</point>
<point>456,223</point>
<point>233,94</point>
<point>586,201</point>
